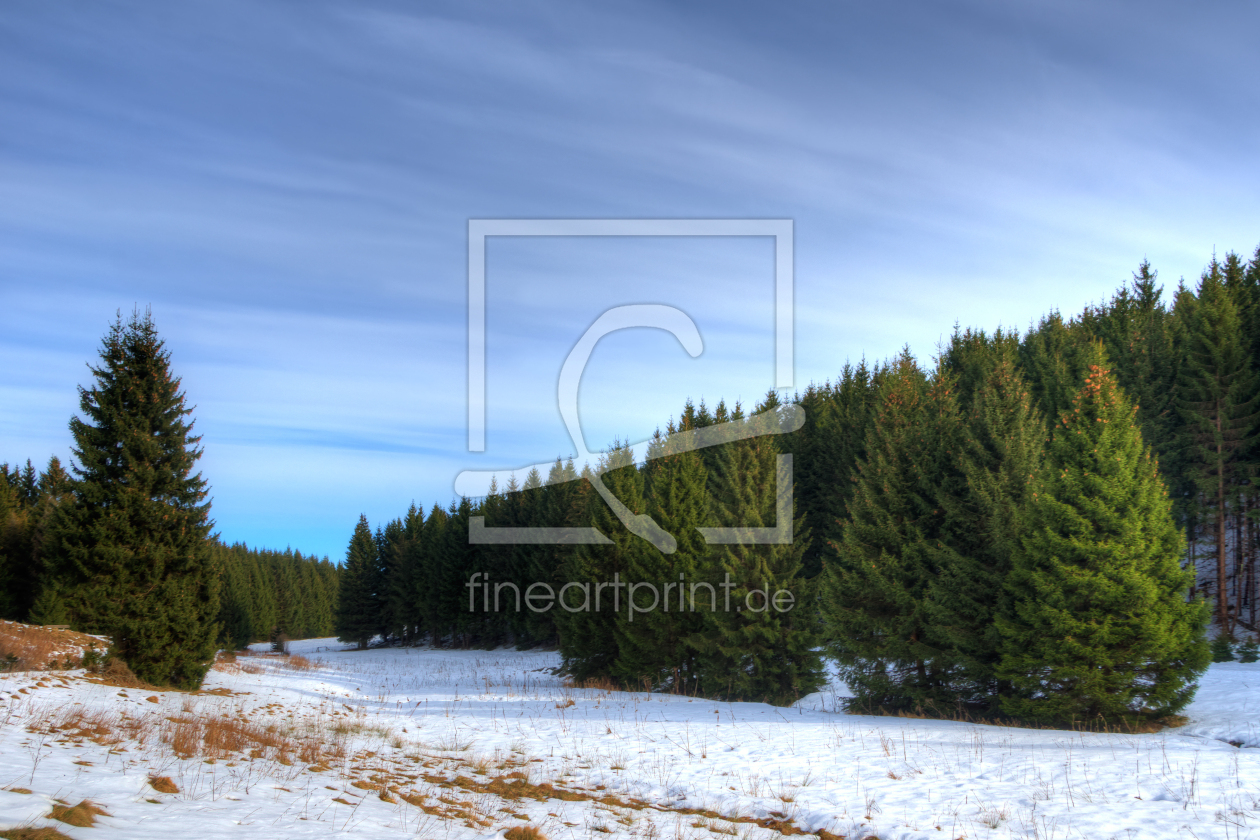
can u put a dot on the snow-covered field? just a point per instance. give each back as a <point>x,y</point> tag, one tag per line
<point>463,744</point>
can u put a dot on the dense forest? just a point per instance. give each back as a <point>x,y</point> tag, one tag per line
<point>264,595</point>
<point>936,506</point>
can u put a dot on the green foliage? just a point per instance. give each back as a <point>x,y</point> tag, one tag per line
<point>130,552</point>
<point>653,626</point>
<point>1248,651</point>
<point>1222,649</point>
<point>268,593</point>
<point>766,647</point>
<point>997,452</point>
<point>876,595</point>
<point>1217,404</point>
<point>359,615</point>
<point>1099,624</point>
<point>589,641</point>
<point>49,608</point>
<point>826,452</point>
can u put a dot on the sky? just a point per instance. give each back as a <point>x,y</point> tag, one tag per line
<point>288,187</point>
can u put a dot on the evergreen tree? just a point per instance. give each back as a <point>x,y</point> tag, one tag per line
<point>1052,360</point>
<point>565,500</point>
<point>49,608</point>
<point>402,576</point>
<point>1217,395</point>
<point>427,595</point>
<point>1099,624</point>
<point>130,553</point>
<point>998,452</point>
<point>651,637</point>
<point>826,453</point>
<point>359,605</point>
<point>588,640</point>
<point>1249,651</point>
<point>1221,649</point>
<point>1138,334</point>
<point>763,644</point>
<point>527,510</point>
<point>875,595</point>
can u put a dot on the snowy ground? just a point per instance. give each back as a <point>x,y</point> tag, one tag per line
<point>411,743</point>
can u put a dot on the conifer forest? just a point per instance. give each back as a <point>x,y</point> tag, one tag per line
<point>1044,524</point>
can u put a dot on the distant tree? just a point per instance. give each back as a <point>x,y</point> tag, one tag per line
<point>130,554</point>
<point>359,604</point>
<point>1222,649</point>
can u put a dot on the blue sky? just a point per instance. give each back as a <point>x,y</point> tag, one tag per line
<point>288,186</point>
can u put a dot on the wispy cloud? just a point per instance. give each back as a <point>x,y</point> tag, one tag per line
<point>289,187</point>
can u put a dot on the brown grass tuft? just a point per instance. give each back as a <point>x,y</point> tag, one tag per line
<point>118,674</point>
<point>524,832</point>
<point>82,815</point>
<point>33,834</point>
<point>163,784</point>
<point>297,662</point>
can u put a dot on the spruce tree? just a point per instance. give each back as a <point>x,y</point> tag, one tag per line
<point>826,453</point>
<point>998,452</point>
<point>1051,358</point>
<point>1099,625</point>
<point>1249,651</point>
<point>765,645</point>
<point>651,639</point>
<point>433,621</point>
<point>49,608</point>
<point>565,500</point>
<point>403,572</point>
<point>1221,649</point>
<point>1217,400</point>
<point>875,594</point>
<point>130,554</point>
<point>1137,331</point>
<point>589,643</point>
<point>359,604</point>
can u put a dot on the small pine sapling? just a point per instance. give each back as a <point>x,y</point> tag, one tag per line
<point>1222,650</point>
<point>1249,651</point>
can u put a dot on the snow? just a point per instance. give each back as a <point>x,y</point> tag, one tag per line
<point>422,717</point>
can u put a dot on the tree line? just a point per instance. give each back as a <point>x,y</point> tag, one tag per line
<point>264,595</point>
<point>991,532</point>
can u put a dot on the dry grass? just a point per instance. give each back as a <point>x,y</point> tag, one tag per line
<point>297,662</point>
<point>33,834</point>
<point>192,735</point>
<point>117,674</point>
<point>250,662</point>
<point>82,815</point>
<point>163,784</point>
<point>524,832</point>
<point>30,647</point>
